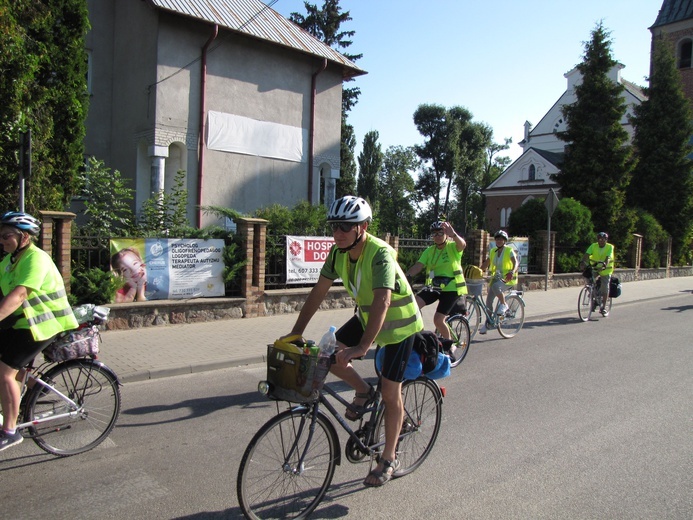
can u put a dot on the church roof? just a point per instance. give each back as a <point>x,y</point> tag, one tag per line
<point>254,18</point>
<point>674,11</point>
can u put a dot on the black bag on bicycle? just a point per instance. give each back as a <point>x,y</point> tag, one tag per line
<point>428,345</point>
<point>614,287</point>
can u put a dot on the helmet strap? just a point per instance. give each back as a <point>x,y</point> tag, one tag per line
<point>19,250</point>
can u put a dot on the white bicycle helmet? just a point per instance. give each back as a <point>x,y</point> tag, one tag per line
<point>350,209</point>
<point>438,224</point>
<point>22,221</point>
<point>501,234</point>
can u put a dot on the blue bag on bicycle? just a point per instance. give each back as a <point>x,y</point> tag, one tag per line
<point>442,369</point>
<point>414,367</point>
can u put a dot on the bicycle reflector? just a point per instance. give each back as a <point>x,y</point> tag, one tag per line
<point>443,391</point>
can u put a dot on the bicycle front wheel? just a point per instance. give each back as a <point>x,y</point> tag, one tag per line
<point>281,475</point>
<point>96,392</point>
<point>585,304</point>
<point>473,315</point>
<point>461,336</point>
<point>423,407</point>
<point>511,322</point>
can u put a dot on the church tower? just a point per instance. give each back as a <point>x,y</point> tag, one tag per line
<point>675,24</point>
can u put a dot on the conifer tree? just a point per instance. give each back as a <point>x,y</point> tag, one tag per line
<point>598,159</point>
<point>663,179</point>
<point>370,164</point>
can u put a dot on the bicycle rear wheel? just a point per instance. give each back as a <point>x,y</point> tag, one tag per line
<point>461,336</point>
<point>273,481</point>
<point>94,388</point>
<point>423,406</point>
<point>473,315</point>
<point>511,322</point>
<point>585,303</point>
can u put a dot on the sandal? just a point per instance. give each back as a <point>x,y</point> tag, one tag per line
<point>358,410</point>
<point>384,475</point>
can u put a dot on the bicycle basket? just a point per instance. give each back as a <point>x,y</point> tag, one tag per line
<point>74,344</point>
<point>475,287</point>
<point>293,375</point>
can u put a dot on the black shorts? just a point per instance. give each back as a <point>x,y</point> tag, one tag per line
<point>446,299</point>
<point>396,355</point>
<point>17,347</point>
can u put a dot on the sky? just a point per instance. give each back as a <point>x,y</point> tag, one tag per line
<point>503,60</point>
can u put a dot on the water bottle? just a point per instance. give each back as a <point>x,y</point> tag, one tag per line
<point>328,343</point>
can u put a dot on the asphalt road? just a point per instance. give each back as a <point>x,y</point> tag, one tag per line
<point>567,420</point>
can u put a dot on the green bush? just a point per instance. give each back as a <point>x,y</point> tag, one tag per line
<point>567,263</point>
<point>94,286</point>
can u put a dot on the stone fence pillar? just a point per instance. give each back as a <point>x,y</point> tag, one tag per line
<point>635,254</point>
<point>477,246</point>
<point>540,243</point>
<point>56,240</point>
<point>253,234</point>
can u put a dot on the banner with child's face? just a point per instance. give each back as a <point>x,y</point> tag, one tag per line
<point>161,269</point>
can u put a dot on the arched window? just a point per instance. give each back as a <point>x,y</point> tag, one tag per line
<point>685,51</point>
<point>532,173</point>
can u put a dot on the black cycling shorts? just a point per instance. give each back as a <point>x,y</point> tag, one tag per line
<point>446,299</point>
<point>396,355</point>
<point>17,347</point>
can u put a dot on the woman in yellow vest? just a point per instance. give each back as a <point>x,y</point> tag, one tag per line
<point>33,310</point>
<point>387,314</point>
<point>503,266</point>
<point>444,277</point>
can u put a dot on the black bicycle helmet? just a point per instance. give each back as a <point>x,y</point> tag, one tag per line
<point>438,224</point>
<point>22,221</point>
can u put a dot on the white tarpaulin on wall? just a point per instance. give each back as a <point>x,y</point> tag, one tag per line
<point>232,133</point>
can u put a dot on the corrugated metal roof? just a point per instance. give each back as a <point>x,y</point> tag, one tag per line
<point>674,11</point>
<point>254,18</point>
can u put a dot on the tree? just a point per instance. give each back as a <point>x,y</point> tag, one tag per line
<point>370,162</point>
<point>663,179</point>
<point>454,153</point>
<point>493,167</point>
<point>44,89</point>
<point>396,190</point>
<point>598,159</point>
<point>346,184</point>
<point>324,24</point>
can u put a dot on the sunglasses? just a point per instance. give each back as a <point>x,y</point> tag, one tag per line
<point>7,236</point>
<point>438,233</point>
<point>344,227</point>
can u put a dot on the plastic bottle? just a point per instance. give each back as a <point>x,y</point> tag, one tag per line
<point>328,343</point>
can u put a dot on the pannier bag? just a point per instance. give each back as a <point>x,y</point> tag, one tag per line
<point>295,373</point>
<point>427,358</point>
<point>74,344</point>
<point>614,287</point>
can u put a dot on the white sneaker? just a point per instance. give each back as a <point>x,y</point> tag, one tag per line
<point>502,309</point>
<point>482,330</point>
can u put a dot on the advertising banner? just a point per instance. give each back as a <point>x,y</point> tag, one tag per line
<point>305,256</point>
<point>161,269</point>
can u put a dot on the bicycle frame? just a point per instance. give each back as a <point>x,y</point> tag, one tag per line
<point>30,376</point>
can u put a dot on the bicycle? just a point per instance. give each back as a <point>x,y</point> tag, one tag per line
<point>69,407</point>
<point>590,299</point>
<point>289,463</point>
<point>508,324</point>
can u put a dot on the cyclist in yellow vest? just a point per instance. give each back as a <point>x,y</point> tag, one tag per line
<point>600,256</point>
<point>503,266</point>
<point>387,314</point>
<point>33,310</point>
<point>445,282</point>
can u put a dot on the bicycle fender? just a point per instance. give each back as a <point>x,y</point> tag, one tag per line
<point>88,361</point>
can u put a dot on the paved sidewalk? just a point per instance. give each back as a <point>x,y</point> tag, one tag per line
<point>153,352</point>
